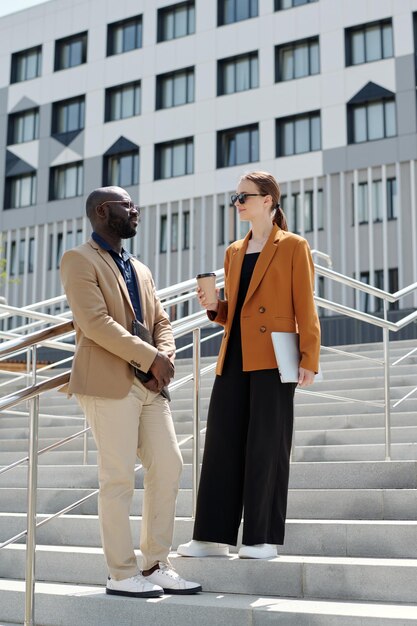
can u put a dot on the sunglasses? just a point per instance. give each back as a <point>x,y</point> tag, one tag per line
<point>127,205</point>
<point>241,197</point>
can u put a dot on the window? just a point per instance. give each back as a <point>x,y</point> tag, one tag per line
<point>26,64</point>
<point>57,247</point>
<point>20,191</point>
<point>122,101</point>
<point>309,210</point>
<point>237,74</point>
<point>124,36</point>
<point>392,199</point>
<point>238,145</point>
<point>392,287</point>
<point>17,261</point>
<point>122,169</point>
<point>369,42</point>
<point>174,158</point>
<point>292,211</point>
<point>186,230</point>
<point>70,51</point>
<point>177,20</point>
<point>163,246</point>
<point>66,181</point>
<point>221,230</point>
<point>363,296</point>
<point>297,59</point>
<point>163,234</point>
<point>23,126</point>
<point>298,134</point>
<point>371,114</point>
<point>288,4</point>
<point>377,208</point>
<point>175,88</point>
<point>230,11</point>
<point>320,287</point>
<point>68,115</point>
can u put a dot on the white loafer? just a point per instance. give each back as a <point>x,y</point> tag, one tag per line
<point>203,548</point>
<point>134,587</point>
<point>171,581</point>
<point>258,551</point>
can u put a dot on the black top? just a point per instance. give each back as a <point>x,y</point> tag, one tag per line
<point>248,265</point>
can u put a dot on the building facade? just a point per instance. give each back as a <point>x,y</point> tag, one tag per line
<point>174,100</point>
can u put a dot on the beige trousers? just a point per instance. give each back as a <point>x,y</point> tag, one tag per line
<point>139,425</point>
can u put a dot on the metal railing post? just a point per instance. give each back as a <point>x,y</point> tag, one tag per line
<point>31,506</point>
<point>196,413</point>
<point>85,444</point>
<point>387,395</point>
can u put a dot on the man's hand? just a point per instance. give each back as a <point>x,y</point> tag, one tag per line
<point>152,385</point>
<point>162,369</point>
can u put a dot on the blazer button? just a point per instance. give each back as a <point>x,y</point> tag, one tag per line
<point>262,309</point>
<point>262,329</point>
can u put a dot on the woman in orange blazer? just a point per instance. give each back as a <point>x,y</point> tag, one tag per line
<point>268,287</point>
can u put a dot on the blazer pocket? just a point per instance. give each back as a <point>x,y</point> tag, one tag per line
<point>284,324</point>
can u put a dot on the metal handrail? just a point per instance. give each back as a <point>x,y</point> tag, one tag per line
<point>193,323</point>
<point>366,317</point>
<point>9,347</point>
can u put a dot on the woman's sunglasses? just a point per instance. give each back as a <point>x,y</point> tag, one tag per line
<point>241,197</point>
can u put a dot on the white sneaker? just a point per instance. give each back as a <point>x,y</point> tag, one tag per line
<point>258,551</point>
<point>171,581</point>
<point>203,548</point>
<point>135,587</point>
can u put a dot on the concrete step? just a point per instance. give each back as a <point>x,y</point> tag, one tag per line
<point>20,446</point>
<point>310,452</point>
<point>340,578</point>
<point>339,538</point>
<point>45,421</point>
<point>346,421</point>
<point>374,504</point>
<point>355,452</point>
<point>352,392</point>
<point>56,432</point>
<point>325,406</point>
<point>67,604</point>
<point>362,474</point>
<point>403,434</point>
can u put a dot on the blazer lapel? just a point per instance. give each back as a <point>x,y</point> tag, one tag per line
<point>264,260</point>
<point>236,261</point>
<point>142,294</point>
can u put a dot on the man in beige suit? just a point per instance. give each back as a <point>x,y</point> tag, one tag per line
<point>107,289</point>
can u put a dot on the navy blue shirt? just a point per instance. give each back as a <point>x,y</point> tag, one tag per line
<point>123,263</point>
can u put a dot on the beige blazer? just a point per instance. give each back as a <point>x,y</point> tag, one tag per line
<point>279,298</point>
<point>103,314</point>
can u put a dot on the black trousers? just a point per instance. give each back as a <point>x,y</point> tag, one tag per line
<point>246,458</point>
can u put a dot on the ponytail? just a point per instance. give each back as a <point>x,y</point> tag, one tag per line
<point>279,218</point>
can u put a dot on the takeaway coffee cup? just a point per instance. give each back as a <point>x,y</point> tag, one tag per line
<point>207,282</point>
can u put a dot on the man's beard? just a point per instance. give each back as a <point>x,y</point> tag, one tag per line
<point>121,227</point>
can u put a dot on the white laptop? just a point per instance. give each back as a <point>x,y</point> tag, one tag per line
<point>287,354</point>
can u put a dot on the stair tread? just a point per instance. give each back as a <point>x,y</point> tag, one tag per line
<point>253,603</point>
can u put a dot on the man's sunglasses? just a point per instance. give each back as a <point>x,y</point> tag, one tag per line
<point>241,197</point>
<point>127,205</point>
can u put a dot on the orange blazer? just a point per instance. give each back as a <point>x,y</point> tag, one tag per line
<point>103,313</point>
<point>279,298</point>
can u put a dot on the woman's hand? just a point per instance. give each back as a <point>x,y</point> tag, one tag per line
<point>209,306</point>
<point>305,377</point>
